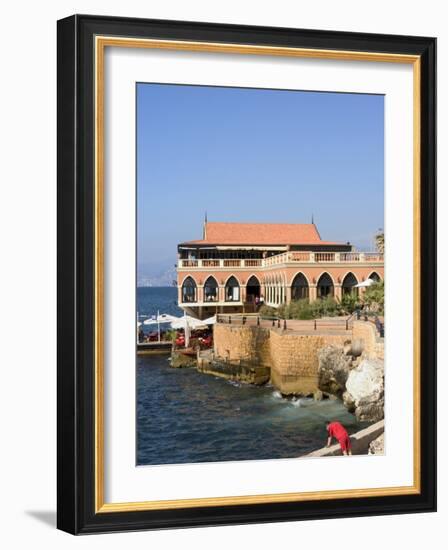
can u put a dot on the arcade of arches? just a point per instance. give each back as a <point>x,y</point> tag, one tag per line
<point>272,289</point>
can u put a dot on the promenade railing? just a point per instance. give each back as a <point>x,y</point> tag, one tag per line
<point>337,324</point>
<point>325,324</point>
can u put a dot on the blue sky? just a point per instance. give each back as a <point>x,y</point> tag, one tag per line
<point>257,156</point>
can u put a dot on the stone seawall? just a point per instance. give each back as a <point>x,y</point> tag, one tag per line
<point>292,358</point>
<point>295,361</point>
<point>242,343</point>
<point>365,336</point>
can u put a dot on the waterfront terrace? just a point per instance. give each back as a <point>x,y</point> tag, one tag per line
<point>236,266</point>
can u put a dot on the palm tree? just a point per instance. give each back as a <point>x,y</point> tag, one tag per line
<point>379,241</point>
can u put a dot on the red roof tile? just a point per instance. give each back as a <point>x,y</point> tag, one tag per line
<point>224,233</point>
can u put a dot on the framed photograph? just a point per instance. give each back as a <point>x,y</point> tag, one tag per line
<point>246,274</point>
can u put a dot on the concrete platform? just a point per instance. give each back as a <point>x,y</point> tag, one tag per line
<point>360,442</point>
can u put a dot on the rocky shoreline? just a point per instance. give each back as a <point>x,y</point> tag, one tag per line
<point>347,369</point>
<point>354,377</point>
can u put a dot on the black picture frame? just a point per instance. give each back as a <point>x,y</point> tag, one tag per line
<point>76,286</point>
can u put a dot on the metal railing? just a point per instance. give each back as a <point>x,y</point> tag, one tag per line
<point>372,317</point>
<point>286,258</point>
<point>313,325</point>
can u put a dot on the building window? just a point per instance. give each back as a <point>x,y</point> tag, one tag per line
<point>232,290</point>
<point>348,285</point>
<point>375,277</point>
<point>189,290</point>
<point>325,286</point>
<point>299,287</point>
<point>211,290</point>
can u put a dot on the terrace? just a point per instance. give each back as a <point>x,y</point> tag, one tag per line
<point>286,258</point>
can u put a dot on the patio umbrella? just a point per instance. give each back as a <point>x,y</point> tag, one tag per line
<point>160,319</point>
<point>209,321</point>
<point>188,321</point>
<point>367,282</point>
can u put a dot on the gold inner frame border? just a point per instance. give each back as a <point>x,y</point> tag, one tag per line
<point>101,42</point>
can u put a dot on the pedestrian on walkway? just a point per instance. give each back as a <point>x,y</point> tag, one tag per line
<point>337,430</point>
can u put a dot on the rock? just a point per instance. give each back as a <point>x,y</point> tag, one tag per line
<point>333,371</point>
<point>349,402</point>
<point>354,348</point>
<point>180,360</point>
<point>365,390</point>
<point>318,395</point>
<point>376,447</point>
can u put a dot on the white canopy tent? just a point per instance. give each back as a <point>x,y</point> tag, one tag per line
<point>187,323</point>
<point>161,319</point>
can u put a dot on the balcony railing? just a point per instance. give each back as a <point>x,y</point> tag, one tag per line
<point>286,258</point>
<point>324,257</point>
<point>221,263</point>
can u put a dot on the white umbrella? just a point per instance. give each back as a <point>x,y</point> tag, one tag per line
<point>209,321</point>
<point>166,318</point>
<point>186,322</point>
<point>191,322</point>
<point>367,282</point>
<point>163,318</point>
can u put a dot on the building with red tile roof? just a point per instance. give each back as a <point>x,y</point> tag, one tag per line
<point>237,266</point>
<point>289,234</point>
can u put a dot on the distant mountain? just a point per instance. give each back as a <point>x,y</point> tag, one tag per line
<point>165,278</point>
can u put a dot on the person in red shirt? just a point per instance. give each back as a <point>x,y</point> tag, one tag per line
<point>337,430</point>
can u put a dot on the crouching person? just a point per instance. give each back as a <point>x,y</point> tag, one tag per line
<point>337,430</point>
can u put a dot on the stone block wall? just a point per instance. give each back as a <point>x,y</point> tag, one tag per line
<point>295,362</point>
<point>371,344</point>
<point>240,343</point>
<point>292,358</point>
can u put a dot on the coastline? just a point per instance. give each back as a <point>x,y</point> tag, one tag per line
<point>302,365</point>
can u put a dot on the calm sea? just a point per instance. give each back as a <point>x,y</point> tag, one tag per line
<point>153,299</point>
<point>184,416</point>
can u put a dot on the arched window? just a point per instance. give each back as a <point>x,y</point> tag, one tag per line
<point>325,286</point>
<point>253,289</point>
<point>299,287</point>
<point>211,290</point>
<point>189,290</point>
<point>232,290</point>
<point>375,277</point>
<point>348,285</point>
